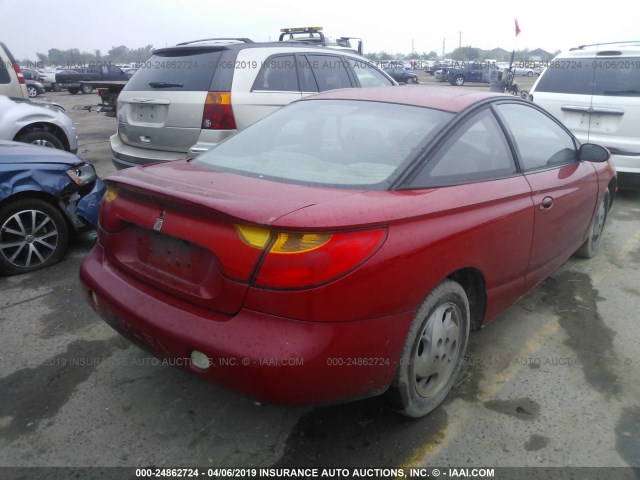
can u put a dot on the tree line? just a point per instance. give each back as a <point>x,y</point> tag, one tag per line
<point>73,56</point>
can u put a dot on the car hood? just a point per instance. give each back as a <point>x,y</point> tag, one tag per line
<point>10,102</point>
<point>21,153</point>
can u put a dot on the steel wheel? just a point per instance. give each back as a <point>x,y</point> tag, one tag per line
<point>33,234</point>
<point>433,351</point>
<point>592,244</point>
<point>437,350</point>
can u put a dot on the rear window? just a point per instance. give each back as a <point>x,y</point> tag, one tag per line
<point>333,143</point>
<point>592,76</point>
<point>176,71</point>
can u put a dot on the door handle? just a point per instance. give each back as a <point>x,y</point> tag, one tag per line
<point>547,203</point>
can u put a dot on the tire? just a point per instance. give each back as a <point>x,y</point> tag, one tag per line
<point>86,89</point>
<point>32,91</point>
<point>56,87</point>
<point>41,138</point>
<point>592,244</point>
<point>458,81</point>
<point>73,91</point>
<point>33,235</point>
<point>410,80</point>
<point>433,352</point>
<point>529,74</point>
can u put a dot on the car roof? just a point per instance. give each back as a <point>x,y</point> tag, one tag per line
<point>604,49</point>
<point>451,99</point>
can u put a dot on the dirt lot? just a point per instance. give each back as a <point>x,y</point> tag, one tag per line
<point>554,381</point>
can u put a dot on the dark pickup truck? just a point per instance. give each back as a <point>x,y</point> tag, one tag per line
<point>472,71</point>
<point>71,80</point>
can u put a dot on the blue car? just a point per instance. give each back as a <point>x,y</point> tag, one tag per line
<point>46,195</point>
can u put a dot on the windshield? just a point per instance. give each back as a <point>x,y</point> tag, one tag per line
<point>335,143</point>
<point>592,76</point>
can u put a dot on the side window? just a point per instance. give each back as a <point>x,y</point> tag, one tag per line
<point>540,142</point>
<point>308,82</point>
<point>278,74</point>
<point>476,151</point>
<point>367,75</point>
<point>4,73</point>
<point>330,72</point>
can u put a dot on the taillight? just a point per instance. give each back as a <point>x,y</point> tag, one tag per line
<point>108,220</point>
<point>16,69</point>
<point>301,260</point>
<point>217,113</point>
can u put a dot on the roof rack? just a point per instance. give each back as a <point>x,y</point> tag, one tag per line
<point>225,39</point>
<point>580,47</point>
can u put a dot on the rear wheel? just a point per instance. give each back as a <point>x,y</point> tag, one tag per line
<point>73,91</point>
<point>86,89</point>
<point>410,80</point>
<point>458,80</point>
<point>433,351</point>
<point>591,246</point>
<point>33,234</point>
<point>32,91</point>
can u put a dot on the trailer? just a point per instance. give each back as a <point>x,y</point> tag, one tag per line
<point>108,90</point>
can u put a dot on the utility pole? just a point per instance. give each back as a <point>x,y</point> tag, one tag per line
<point>460,39</point>
<point>443,49</point>
<point>413,50</point>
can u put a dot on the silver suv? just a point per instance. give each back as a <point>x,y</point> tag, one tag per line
<point>187,98</point>
<point>12,82</point>
<point>595,91</point>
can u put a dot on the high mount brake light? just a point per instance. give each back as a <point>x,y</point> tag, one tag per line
<point>294,260</point>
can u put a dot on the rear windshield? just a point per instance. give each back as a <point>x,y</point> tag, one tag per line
<point>592,76</point>
<point>333,143</point>
<point>177,71</point>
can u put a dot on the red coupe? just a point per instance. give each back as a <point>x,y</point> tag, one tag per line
<point>345,245</point>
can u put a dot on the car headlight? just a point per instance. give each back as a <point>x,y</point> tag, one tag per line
<point>82,174</point>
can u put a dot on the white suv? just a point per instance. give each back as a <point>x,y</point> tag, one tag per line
<point>595,91</point>
<point>187,98</point>
<point>12,83</point>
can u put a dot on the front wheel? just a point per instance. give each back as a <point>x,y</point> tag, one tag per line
<point>410,80</point>
<point>41,138</point>
<point>73,91</point>
<point>33,234</point>
<point>592,244</point>
<point>86,89</point>
<point>433,352</point>
<point>529,74</point>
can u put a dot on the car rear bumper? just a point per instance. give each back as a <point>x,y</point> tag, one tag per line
<point>272,359</point>
<point>627,164</point>
<point>125,156</point>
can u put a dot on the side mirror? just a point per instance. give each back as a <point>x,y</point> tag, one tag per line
<point>590,152</point>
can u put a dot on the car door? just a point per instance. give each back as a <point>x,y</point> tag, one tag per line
<point>485,212</point>
<point>564,189</point>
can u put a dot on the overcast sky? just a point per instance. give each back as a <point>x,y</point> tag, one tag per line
<point>34,26</point>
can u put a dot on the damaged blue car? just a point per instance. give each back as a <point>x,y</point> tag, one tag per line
<point>46,195</point>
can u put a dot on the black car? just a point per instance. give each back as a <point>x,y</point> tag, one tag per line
<point>402,75</point>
